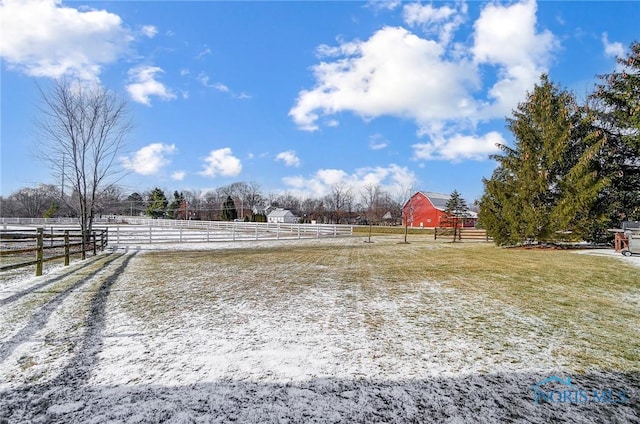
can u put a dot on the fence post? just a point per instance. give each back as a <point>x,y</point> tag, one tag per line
<point>83,246</point>
<point>39,247</point>
<point>93,239</point>
<point>435,233</point>
<point>66,247</point>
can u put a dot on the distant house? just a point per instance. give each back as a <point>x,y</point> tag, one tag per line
<point>283,216</point>
<point>262,210</point>
<point>427,209</point>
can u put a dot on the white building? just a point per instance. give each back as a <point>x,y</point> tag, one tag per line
<point>283,216</point>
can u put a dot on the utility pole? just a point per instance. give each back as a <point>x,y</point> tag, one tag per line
<point>62,181</point>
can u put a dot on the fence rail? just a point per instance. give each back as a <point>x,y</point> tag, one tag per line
<point>125,230</point>
<point>461,234</point>
<point>151,234</point>
<point>16,245</point>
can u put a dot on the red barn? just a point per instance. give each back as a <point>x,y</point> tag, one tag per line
<point>427,209</point>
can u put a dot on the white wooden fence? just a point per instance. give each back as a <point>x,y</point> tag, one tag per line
<point>135,230</point>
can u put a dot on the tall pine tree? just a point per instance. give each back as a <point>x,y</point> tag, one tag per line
<point>157,204</point>
<point>229,211</point>
<point>456,210</point>
<point>547,182</point>
<point>174,207</point>
<point>617,104</point>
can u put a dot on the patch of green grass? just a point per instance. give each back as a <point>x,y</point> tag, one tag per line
<point>377,230</point>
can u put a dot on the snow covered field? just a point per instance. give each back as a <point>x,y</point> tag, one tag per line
<point>331,330</point>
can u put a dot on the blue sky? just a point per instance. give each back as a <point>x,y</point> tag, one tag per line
<point>299,96</point>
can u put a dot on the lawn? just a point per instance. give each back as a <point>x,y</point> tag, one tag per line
<point>334,330</point>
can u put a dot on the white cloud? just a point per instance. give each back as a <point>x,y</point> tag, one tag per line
<point>178,175</point>
<point>458,147</point>
<point>435,83</point>
<point>418,14</point>
<point>204,79</point>
<point>332,123</point>
<point>221,162</point>
<point>614,49</point>
<point>144,85</point>
<point>150,159</point>
<point>392,73</point>
<point>383,4</point>
<point>442,21</point>
<point>377,142</point>
<point>392,178</point>
<point>43,38</point>
<point>206,51</point>
<point>506,36</point>
<point>289,158</point>
<point>221,87</point>
<point>149,31</point>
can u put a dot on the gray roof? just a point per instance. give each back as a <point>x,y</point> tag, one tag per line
<point>438,200</point>
<point>280,212</point>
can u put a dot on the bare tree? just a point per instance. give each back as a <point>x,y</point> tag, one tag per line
<point>193,203</point>
<point>110,200</point>
<point>33,202</point>
<point>370,201</point>
<point>341,200</point>
<point>82,128</point>
<point>251,194</point>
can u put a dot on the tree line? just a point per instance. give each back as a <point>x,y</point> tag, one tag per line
<point>239,200</point>
<point>573,170</point>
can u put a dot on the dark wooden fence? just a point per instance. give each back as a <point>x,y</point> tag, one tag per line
<point>47,246</point>
<point>461,234</point>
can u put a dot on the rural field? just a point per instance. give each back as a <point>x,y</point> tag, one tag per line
<point>328,330</point>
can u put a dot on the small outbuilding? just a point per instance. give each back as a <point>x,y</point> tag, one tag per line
<point>427,209</point>
<point>281,215</point>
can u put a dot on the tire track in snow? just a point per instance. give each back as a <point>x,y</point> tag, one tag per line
<point>40,317</point>
<point>35,401</point>
<point>77,372</point>
<point>22,293</point>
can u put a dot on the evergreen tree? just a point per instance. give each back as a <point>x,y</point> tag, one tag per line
<point>258,217</point>
<point>174,206</point>
<point>546,185</point>
<point>158,204</point>
<point>229,212</point>
<point>617,104</point>
<point>456,210</point>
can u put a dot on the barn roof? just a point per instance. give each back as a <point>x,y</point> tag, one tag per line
<point>438,200</point>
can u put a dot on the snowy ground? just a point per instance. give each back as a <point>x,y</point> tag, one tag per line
<point>142,336</point>
<point>631,260</point>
